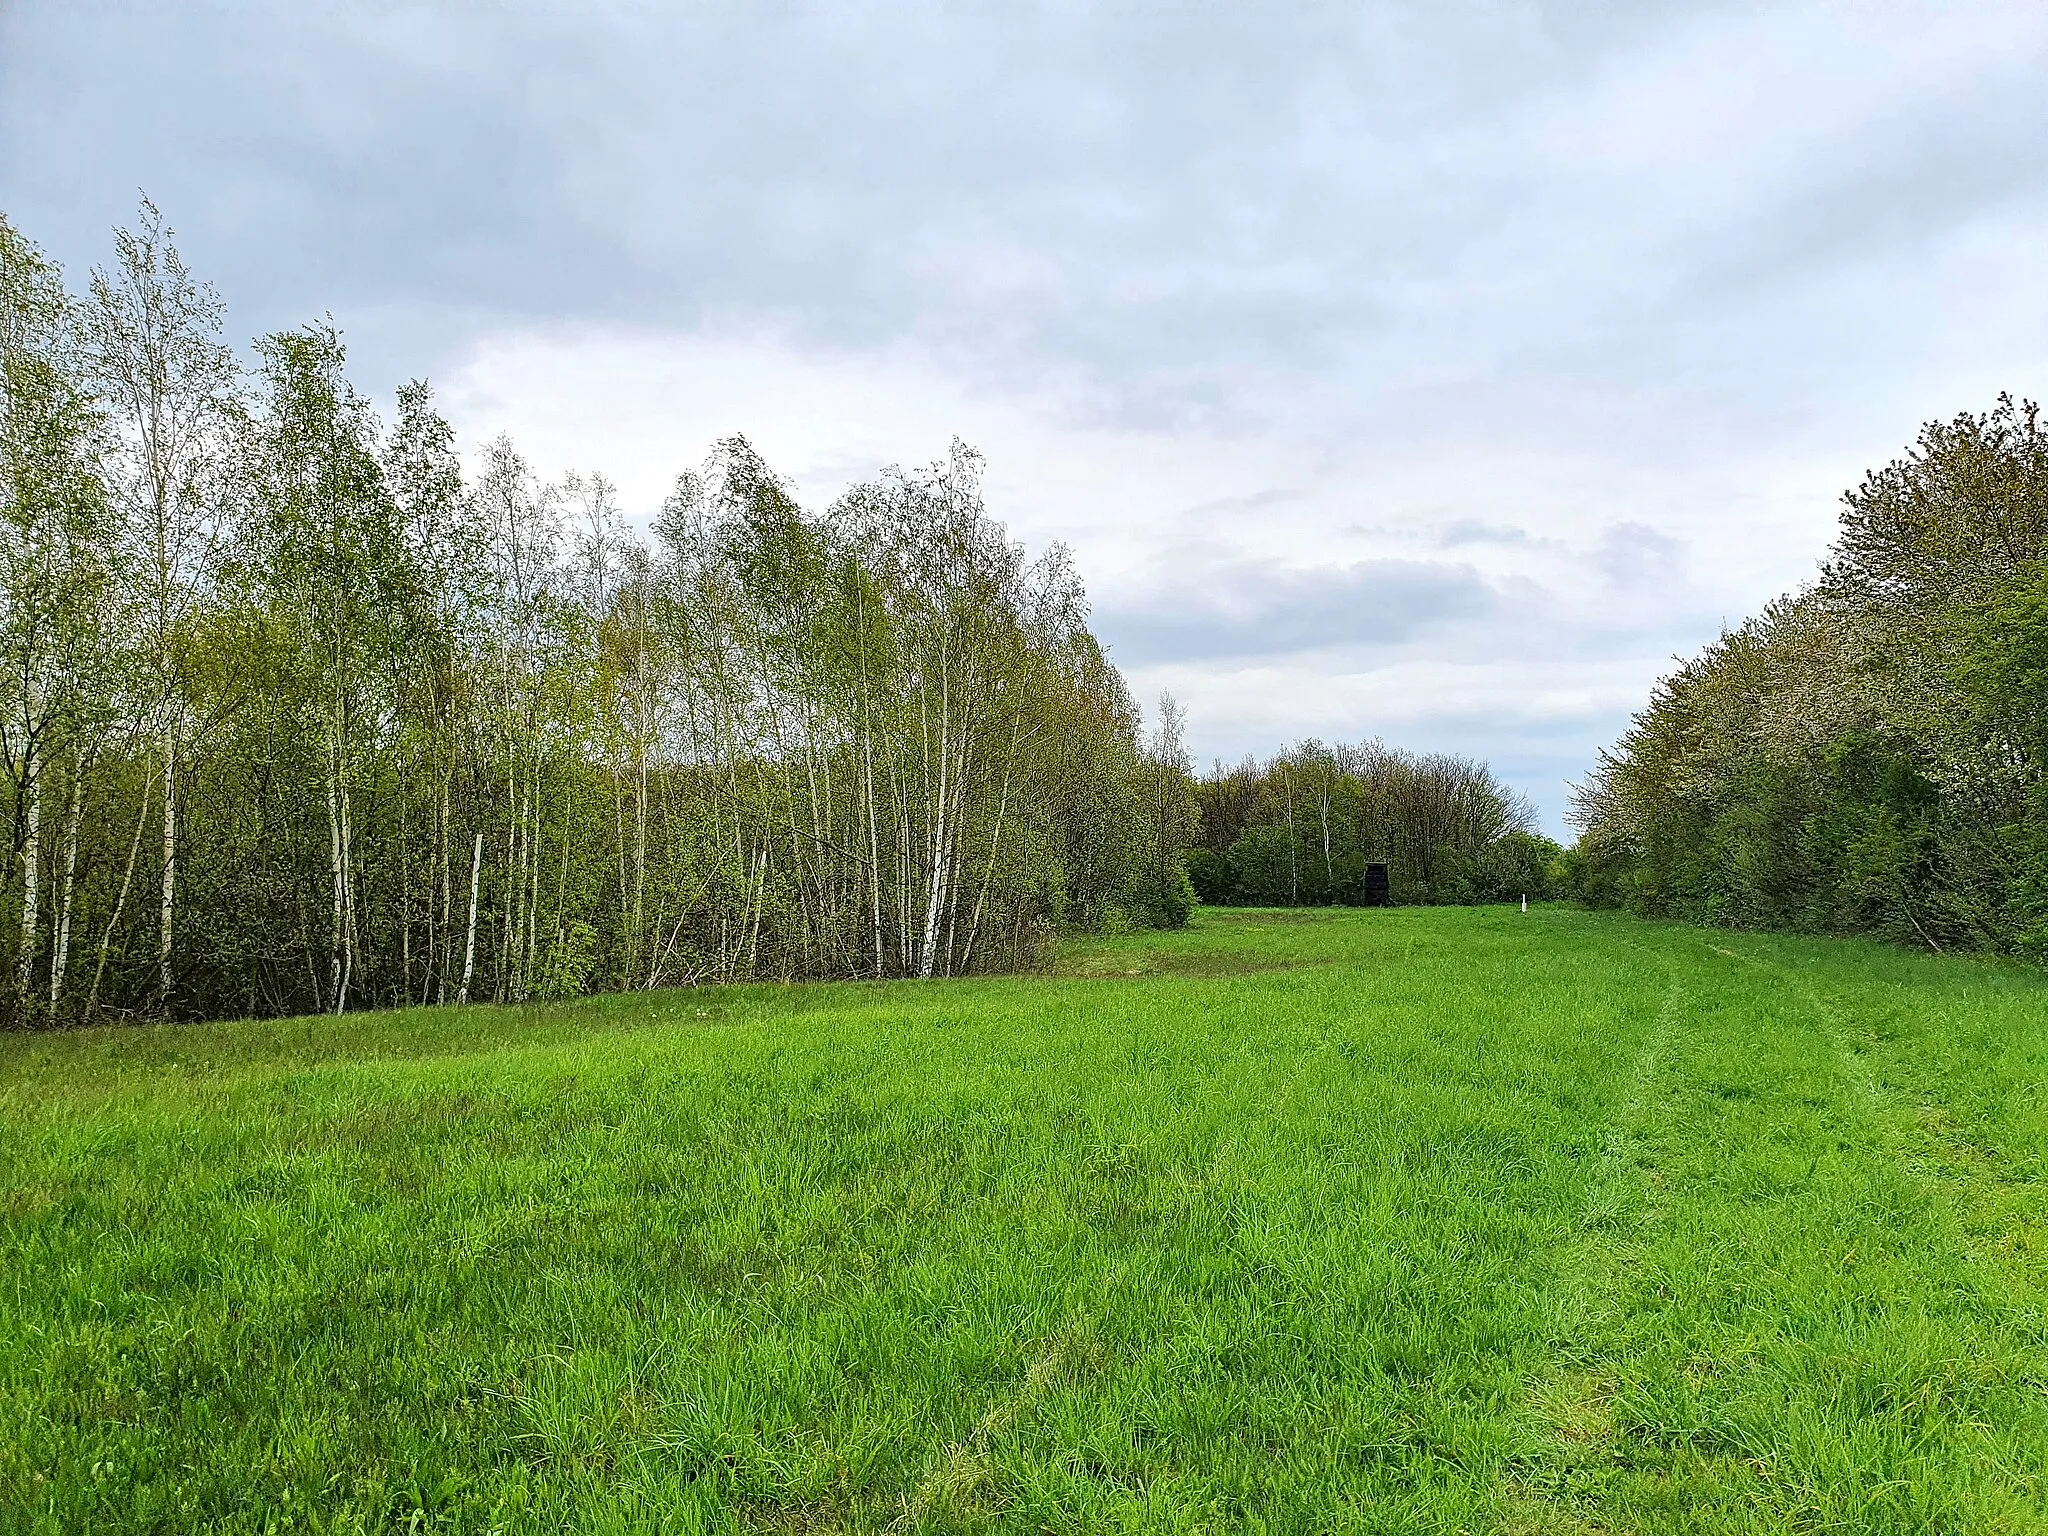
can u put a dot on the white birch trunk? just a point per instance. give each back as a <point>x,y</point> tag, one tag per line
<point>60,951</point>
<point>121,901</point>
<point>444,953</point>
<point>874,846</point>
<point>760,900</point>
<point>476,865</point>
<point>533,883</point>
<point>31,885</point>
<point>335,978</point>
<point>994,843</point>
<point>619,841</point>
<point>515,877</point>
<point>640,852</point>
<point>1329,866</point>
<point>349,938</point>
<point>935,891</point>
<point>168,911</point>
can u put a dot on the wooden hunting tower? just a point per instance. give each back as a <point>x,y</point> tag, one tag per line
<point>1378,892</point>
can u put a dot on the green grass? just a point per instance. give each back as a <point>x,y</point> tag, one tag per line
<point>1397,1221</point>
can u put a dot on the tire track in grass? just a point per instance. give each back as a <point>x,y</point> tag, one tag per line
<point>1684,1322</point>
<point>962,1466</point>
<point>1800,1347</point>
<point>961,1471</point>
<point>1929,1160</point>
<point>1549,1493</point>
<point>1948,1393</point>
<point>1734,1408</point>
<point>1932,1156</point>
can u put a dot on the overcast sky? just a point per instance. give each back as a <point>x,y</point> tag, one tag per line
<point>1432,371</point>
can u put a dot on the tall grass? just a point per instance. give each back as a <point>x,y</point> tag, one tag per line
<point>1423,1220</point>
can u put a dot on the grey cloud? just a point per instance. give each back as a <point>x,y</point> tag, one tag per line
<point>1471,531</point>
<point>1254,608</point>
<point>1409,231</point>
<point>1637,557</point>
<point>1257,501</point>
<point>1155,205</point>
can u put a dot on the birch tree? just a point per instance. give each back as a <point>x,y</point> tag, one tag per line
<point>152,345</point>
<point>329,552</point>
<point>55,616</point>
<point>297,716</point>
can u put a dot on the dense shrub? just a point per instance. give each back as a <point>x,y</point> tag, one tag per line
<point>1869,755</point>
<point>1300,828</point>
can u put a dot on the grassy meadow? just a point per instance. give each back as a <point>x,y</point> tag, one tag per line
<point>1407,1221</point>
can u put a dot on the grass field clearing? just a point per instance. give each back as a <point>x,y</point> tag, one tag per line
<point>1421,1220</point>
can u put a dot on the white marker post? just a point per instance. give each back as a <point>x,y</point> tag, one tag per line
<point>1525,905</point>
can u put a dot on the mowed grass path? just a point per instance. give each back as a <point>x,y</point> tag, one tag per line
<point>1397,1221</point>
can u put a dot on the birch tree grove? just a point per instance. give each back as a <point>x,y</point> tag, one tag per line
<point>300,718</point>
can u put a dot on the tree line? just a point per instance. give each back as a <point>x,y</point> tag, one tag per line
<point>299,716</point>
<point>1869,754</point>
<point>1299,828</point>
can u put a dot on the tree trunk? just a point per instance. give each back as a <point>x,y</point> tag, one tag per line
<point>443,952</point>
<point>874,846</point>
<point>760,900</point>
<point>92,1004</point>
<point>1329,868</point>
<point>168,913</point>
<point>640,851</point>
<point>30,885</point>
<point>336,971</point>
<point>405,898</point>
<point>532,883</point>
<point>60,951</point>
<point>351,939</point>
<point>515,878</point>
<point>476,865</point>
<point>994,842</point>
<point>625,879</point>
<point>935,894</point>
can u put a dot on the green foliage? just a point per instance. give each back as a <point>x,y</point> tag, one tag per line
<point>1300,829</point>
<point>1426,1220</point>
<point>1167,809</point>
<point>1167,897</point>
<point>1211,876</point>
<point>568,964</point>
<point>1516,864</point>
<point>1868,756</point>
<point>298,719</point>
<point>1265,864</point>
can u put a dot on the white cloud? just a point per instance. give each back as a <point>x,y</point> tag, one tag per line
<point>1575,317</point>
<point>1400,585</point>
